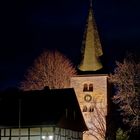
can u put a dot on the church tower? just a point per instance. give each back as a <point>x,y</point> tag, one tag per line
<point>92,89</point>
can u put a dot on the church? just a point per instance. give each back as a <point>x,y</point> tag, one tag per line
<point>92,90</point>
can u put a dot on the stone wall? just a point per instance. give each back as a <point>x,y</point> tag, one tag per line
<point>91,92</point>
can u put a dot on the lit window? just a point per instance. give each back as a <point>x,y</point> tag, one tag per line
<point>50,137</point>
<point>43,137</point>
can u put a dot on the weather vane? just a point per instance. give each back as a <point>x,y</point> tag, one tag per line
<point>90,3</point>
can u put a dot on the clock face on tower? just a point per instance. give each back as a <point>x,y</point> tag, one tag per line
<point>87,98</point>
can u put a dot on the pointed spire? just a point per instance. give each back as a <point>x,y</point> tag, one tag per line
<point>92,46</point>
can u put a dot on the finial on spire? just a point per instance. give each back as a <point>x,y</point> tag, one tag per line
<point>90,3</point>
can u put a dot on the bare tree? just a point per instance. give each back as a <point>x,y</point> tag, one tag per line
<point>97,121</point>
<point>126,79</point>
<point>50,69</point>
<point>121,135</point>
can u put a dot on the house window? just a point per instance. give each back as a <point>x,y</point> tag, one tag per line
<point>88,87</point>
<point>43,133</point>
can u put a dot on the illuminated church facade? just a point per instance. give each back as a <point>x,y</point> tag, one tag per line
<point>92,89</point>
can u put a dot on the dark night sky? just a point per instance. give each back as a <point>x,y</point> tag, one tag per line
<point>29,26</point>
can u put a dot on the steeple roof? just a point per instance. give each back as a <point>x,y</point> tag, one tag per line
<point>91,48</point>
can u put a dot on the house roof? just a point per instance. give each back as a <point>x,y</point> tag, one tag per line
<point>57,107</point>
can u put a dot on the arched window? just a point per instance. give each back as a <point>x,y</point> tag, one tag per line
<point>90,87</point>
<point>91,108</point>
<point>85,87</point>
<point>84,108</point>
